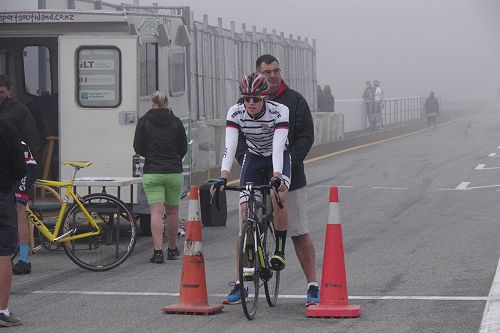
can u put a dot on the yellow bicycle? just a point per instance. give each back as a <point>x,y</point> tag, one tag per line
<point>97,231</point>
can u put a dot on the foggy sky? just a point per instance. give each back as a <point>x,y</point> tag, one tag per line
<point>449,46</point>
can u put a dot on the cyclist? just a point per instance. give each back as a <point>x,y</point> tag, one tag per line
<point>12,168</point>
<point>20,117</point>
<point>264,125</point>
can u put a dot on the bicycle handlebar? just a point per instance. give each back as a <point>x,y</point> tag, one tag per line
<point>248,187</point>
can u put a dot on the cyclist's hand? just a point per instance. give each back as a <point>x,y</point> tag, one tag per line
<point>277,183</point>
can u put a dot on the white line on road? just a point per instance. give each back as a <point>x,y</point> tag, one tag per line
<point>339,186</point>
<point>493,155</point>
<point>389,188</point>
<point>491,298</point>
<point>462,186</point>
<point>491,314</point>
<point>483,167</point>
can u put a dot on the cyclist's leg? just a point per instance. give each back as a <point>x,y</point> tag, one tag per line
<point>24,192</point>
<point>281,216</point>
<point>249,172</point>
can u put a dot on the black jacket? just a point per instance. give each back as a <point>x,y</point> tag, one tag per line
<point>431,105</point>
<point>161,138</point>
<point>300,135</point>
<point>12,163</point>
<point>20,117</point>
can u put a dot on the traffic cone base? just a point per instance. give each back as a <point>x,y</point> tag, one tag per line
<point>189,309</point>
<point>333,311</point>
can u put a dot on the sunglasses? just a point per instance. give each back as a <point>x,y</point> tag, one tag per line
<point>254,99</point>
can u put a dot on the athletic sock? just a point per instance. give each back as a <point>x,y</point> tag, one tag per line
<point>5,312</point>
<point>280,242</point>
<point>24,249</point>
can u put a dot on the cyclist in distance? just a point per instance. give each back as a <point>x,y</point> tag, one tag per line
<point>264,125</point>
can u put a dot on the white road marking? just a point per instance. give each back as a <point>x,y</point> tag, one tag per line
<point>491,315</point>
<point>462,186</point>
<point>339,186</point>
<point>483,167</point>
<point>389,188</point>
<point>491,298</point>
<point>492,155</point>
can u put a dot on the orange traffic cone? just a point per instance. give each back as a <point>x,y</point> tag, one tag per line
<point>193,297</point>
<point>333,299</point>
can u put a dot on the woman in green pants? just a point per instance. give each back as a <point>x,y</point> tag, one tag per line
<point>161,138</point>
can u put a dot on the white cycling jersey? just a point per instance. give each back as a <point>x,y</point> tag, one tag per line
<point>266,134</point>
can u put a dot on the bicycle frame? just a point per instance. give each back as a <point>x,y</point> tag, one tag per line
<point>258,223</point>
<point>69,193</point>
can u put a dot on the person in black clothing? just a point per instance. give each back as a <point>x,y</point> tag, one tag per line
<point>329,100</point>
<point>12,169</point>
<point>20,117</point>
<point>301,138</point>
<point>161,138</point>
<point>432,109</point>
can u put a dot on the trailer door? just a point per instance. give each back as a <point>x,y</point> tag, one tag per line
<point>98,103</point>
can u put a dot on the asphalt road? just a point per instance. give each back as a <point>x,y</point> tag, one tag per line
<point>421,250</point>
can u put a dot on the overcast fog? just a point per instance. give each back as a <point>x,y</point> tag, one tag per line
<point>449,46</point>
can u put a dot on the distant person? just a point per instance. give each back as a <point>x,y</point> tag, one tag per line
<point>368,101</point>
<point>321,98</point>
<point>12,169</point>
<point>432,110</point>
<point>161,138</point>
<point>379,105</point>
<point>329,100</point>
<point>20,117</point>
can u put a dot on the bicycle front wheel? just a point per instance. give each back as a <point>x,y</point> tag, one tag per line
<point>272,283</point>
<point>248,267</point>
<point>117,233</point>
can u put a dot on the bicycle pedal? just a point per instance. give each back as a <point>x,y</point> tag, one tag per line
<point>37,248</point>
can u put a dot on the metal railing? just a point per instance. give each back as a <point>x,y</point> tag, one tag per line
<point>221,56</point>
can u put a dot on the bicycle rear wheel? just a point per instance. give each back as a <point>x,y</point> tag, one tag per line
<point>272,283</point>
<point>249,284</point>
<point>116,239</point>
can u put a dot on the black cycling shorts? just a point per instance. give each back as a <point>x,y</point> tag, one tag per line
<point>24,187</point>
<point>8,224</point>
<point>259,170</point>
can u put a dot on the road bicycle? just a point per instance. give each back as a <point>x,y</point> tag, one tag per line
<point>97,231</point>
<point>257,241</point>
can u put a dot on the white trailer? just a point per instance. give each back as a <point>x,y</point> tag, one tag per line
<point>87,76</point>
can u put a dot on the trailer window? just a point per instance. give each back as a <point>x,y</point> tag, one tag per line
<point>148,58</point>
<point>177,72</point>
<point>99,77</point>
<point>36,62</point>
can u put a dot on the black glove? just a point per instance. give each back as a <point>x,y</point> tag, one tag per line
<point>219,182</point>
<point>275,182</point>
